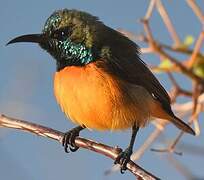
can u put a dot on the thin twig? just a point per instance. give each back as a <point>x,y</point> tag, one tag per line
<point>177,89</point>
<point>111,152</point>
<point>181,49</point>
<point>196,50</point>
<point>171,148</point>
<point>138,154</point>
<point>149,34</point>
<point>163,13</point>
<point>150,9</point>
<point>158,50</point>
<point>188,105</point>
<point>196,9</point>
<point>181,66</point>
<point>180,167</point>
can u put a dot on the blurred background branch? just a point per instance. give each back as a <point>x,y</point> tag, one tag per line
<point>192,69</point>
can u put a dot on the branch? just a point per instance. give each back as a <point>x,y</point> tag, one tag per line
<point>196,9</point>
<point>165,17</point>
<point>158,50</point>
<point>150,10</point>
<point>138,154</point>
<point>111,152</point>
<point>181,168</point>
<point>196,50</point>
<point>142,38</point>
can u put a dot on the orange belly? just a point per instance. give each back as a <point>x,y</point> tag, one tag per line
<point>92,98</point>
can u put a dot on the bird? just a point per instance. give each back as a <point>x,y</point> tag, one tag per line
<point>101,82</point>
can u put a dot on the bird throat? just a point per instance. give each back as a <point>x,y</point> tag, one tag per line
<point>68,53</point>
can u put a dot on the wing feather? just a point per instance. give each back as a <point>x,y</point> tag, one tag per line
<point>122,60</point>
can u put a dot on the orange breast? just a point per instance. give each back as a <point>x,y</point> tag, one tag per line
<point>93,98</point>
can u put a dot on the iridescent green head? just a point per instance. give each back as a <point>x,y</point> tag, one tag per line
<point>76,38</point>
<point>69,36</point>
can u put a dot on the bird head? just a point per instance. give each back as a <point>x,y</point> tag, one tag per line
<point>70,36</point>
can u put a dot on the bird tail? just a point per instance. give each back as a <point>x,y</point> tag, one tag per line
<point>183,126</point>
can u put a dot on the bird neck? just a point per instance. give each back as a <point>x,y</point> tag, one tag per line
<point>72,54</point>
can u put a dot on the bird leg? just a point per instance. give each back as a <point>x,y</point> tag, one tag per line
<point>69,139</point>
<point>124,157</point>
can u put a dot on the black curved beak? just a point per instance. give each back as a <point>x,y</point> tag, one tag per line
<point>33,38</point>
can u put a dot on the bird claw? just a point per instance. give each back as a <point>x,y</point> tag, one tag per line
<point>122,159</point>
<point>68,140</point>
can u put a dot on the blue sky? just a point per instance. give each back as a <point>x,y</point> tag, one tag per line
<point>26,92</point>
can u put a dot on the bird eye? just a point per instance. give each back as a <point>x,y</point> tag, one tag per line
<point>61,34</point>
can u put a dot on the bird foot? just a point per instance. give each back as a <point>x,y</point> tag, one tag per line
<point>69,139</point>
<point>123,158</point>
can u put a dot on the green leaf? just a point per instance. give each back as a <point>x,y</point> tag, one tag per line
<point>165,64</point>
<point>189,40</point>
<point>198,68</point>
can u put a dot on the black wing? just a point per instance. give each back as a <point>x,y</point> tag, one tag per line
<point>123,61</point>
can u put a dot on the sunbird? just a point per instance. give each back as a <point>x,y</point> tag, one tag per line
<point>101,82</point>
